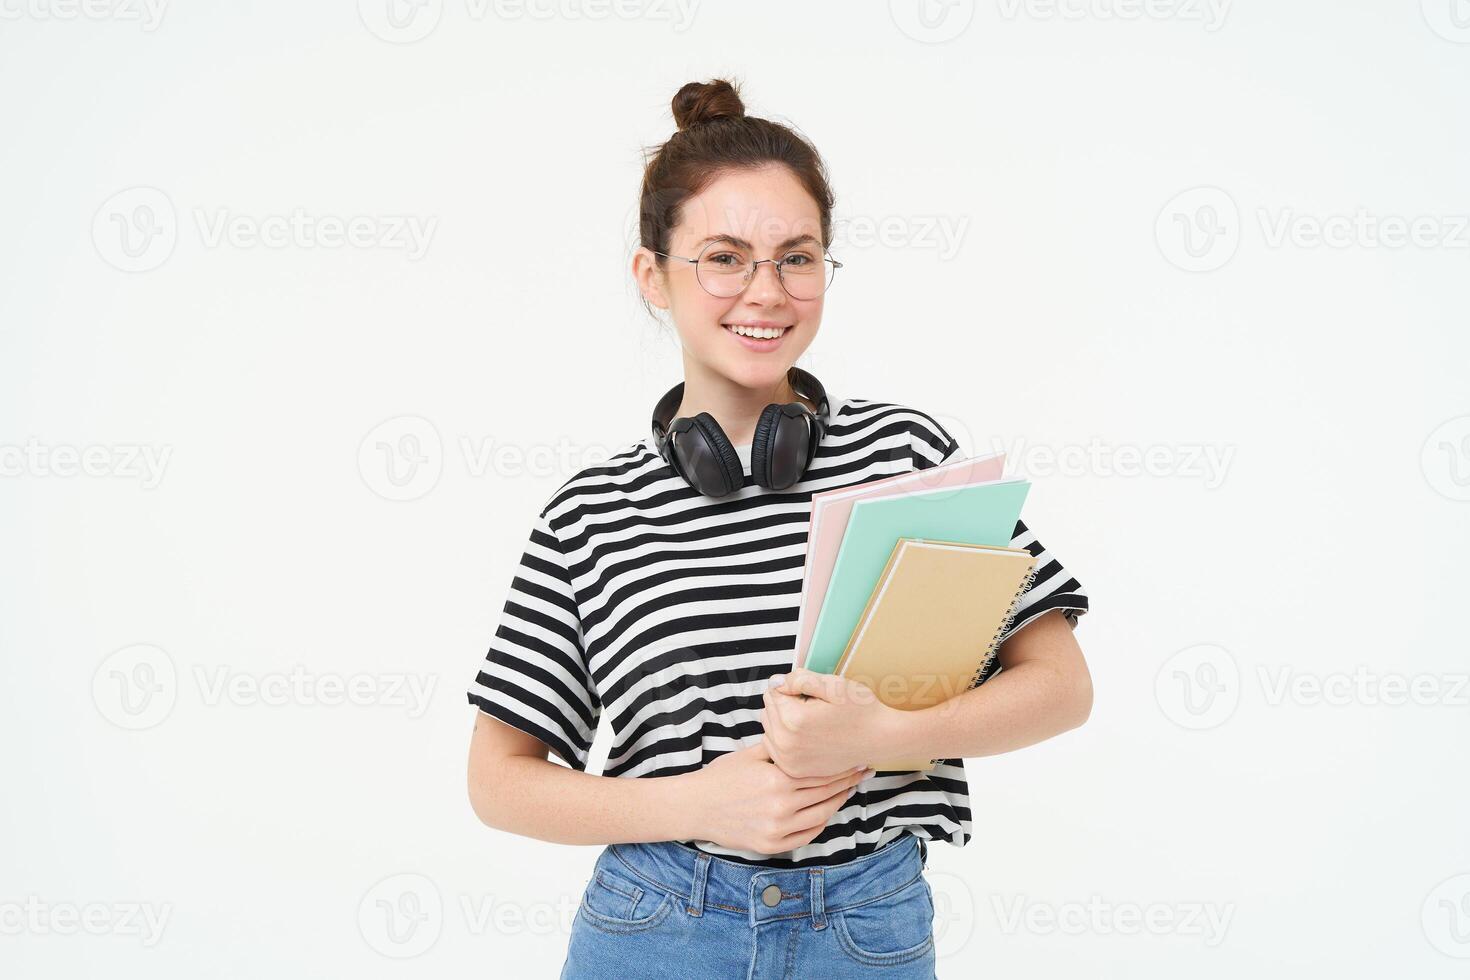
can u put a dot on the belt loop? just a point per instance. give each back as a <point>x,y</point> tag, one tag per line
<point>701,874</point>
<point>819,900</point>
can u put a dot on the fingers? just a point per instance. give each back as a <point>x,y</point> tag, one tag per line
<point>813,819</point>
<point>828,687</point>
<point>816,794</point>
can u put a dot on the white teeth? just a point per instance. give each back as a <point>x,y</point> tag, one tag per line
<point>759,333</point>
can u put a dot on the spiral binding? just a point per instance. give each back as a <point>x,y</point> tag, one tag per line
<point>1026,584</point>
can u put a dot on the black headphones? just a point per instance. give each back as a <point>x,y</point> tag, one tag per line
<point>785,441</point>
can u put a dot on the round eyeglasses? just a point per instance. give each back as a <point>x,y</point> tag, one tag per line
<point>725,269</point>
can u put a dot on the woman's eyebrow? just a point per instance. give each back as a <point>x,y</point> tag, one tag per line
<point>734,240</point>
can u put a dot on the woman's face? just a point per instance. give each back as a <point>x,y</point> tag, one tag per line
<point>766,208</point>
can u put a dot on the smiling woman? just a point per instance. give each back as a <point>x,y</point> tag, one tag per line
<point>660,591</point>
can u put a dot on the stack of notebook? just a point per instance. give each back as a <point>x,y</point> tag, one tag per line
<point>910,582</point>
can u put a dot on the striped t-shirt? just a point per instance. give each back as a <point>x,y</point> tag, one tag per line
<point>663,612</point>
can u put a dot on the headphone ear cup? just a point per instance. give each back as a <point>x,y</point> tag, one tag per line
<point>715,468</point>
<point>761,444</point>
<point>782,447</point>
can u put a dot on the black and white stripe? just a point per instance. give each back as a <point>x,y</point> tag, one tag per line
<point>664,612</point>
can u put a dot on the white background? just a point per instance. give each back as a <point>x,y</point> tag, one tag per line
<point>1078,232</point>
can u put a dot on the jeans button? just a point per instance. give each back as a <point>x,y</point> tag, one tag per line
<point>771,895</point>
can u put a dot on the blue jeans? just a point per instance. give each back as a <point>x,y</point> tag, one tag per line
<point>667,910</point>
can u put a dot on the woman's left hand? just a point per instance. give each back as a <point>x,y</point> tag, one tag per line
<point>840,726</point>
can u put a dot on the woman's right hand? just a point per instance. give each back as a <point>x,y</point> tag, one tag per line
<point>743,800</point>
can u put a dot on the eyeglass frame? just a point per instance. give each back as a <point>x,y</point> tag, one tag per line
<point>751,271</point>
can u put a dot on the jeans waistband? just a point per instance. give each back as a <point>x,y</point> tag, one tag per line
<point>700,880</point>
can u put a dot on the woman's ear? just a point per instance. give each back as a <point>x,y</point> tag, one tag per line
<point>649,277</point>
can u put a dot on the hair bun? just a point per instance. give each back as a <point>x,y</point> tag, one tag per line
<point>701,102</point>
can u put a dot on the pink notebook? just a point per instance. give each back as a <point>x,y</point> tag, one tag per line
<point>832,508</point>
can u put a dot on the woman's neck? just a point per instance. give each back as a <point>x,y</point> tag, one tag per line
<point>736,407</point>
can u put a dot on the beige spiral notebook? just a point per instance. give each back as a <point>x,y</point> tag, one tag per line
<point>934,622</point>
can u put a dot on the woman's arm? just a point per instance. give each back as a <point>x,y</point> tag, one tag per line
<point>739,800</point>
<point>514,787</point>
<point>1044,689</point>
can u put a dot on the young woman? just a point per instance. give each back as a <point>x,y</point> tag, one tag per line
<point>745,836</point>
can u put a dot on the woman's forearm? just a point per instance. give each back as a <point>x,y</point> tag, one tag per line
<point>541,799</point>
<point>1019,706</point>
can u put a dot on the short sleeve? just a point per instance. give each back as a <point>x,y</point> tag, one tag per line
<point>929,442</point>
<point>535,676</point>
<point>1055,586</point>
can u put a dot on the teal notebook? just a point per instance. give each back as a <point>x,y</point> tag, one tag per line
<point>984,513</point>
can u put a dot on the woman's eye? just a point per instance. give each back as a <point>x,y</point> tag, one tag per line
<point>797,259</point>
<point>726,258</point>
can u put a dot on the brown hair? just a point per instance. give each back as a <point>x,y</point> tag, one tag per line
<point>716,136</point>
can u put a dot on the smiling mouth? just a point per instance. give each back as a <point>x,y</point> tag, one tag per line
<point>756,333</point>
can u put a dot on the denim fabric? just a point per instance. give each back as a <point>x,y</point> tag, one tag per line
<point>667,910</point>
